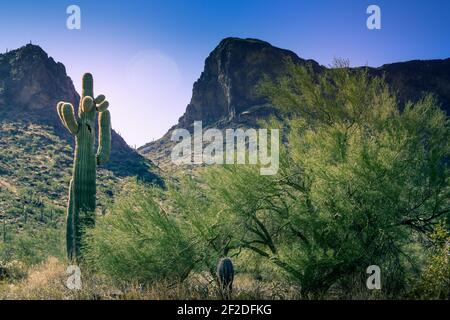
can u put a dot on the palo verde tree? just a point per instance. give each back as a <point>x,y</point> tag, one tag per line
<point>82,192</point>
<point>359,183</point>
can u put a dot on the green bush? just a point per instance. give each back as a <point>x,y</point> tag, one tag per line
<point>359,182</point>
<point>33,245</point>
<point>211,228</point>
<point>140,240</point>
<point>434,282</point>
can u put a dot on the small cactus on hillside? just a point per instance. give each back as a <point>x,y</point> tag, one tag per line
<point>82,190</point>
<point>225,277</point>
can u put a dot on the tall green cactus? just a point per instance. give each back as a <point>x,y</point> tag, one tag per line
<point>82,191</point>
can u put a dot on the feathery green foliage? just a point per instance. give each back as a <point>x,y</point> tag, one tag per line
<point>140,240</point>
<point>360,183</point>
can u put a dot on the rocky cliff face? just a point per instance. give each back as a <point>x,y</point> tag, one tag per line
<point>412,79</point>
<point>226,87</point>
<point>31,83</point>
<point>225,92</point>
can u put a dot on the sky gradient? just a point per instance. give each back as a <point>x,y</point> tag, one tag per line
<point>145,55</point>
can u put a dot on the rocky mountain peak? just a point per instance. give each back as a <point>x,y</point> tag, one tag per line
<point>31,80</point>
<point>226,87</point>
<point>32,83</point>
<point>225,95</point>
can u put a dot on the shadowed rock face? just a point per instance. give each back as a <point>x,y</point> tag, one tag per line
<point>226,87</point>
<point>413,79</point>
<point>225,94</point>
<point>32,81</point>
<point>31,84</point>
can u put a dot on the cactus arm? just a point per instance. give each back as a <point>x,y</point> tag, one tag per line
<point>87,104</point>
<point>58,108</point>
<point>67,116</point>
<point>104,137</point>
<point>101,103</point>
<point>60,114</point>
<point>100,99</point>
<point>101,107</point>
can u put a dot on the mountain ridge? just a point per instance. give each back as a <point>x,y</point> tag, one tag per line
<point>36,151</point>
<point>224,94</point>
<point>31,84</point>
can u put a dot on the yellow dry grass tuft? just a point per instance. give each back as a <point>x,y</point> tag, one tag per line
<point>47,281</point>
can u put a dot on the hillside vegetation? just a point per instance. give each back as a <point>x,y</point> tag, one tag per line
<point>360,183</point>
<point>35,170</point>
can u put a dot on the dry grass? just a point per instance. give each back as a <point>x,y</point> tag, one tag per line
<point>47,281</point>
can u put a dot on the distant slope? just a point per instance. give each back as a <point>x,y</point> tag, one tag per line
<point>36,152</point>
<point>35,170</point>
<point>412,79</point>
<point>31,83</point>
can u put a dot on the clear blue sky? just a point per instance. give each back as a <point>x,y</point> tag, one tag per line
<point>145,55</point>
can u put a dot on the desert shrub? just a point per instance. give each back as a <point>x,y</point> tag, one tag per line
<point>206,222</point>
<point>434,282</point>
<point>12,270</point>
<point>47,281</point>
<point>33,245</point>
<point>358,182</point>
<point>139,240</point>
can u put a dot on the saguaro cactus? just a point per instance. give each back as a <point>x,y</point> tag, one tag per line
<point>82,191</point>
<point>225,277</point>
